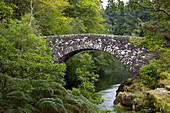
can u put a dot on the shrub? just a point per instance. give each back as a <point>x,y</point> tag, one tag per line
<point>149,74</point>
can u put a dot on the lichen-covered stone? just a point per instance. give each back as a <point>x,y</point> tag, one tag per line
<point>124,99</point>
<point>123,85</point>
<point>65,46</point>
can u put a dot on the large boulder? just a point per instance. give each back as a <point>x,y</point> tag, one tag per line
<point>124,98</point>
<point>124,94</point>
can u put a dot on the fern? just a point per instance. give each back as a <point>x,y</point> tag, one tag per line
<point>62,108</point>
<point>59,86</point>
<point>46,104</point>
<point>30,107</point>
<point>11,111</point>
<point>72,108</point>
<point>48,96</point>
<point>56,104</point>
<point>59,101</point>
<point>16,93</point>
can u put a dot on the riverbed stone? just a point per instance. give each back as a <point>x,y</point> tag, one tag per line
<point>124,98</point>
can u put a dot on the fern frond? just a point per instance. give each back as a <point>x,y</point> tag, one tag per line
<point>47,103</point>
<point>59,92</point>
<point>11,111</point>
<point>16,93</point>
<point>30,107</point>
<point>3,103</point>
<point>72,108</point>
<point>59,86</point>
<point>62,108</point>
<point>50,104</point>
<point>59,101</point>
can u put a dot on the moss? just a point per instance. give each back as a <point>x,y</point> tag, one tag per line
<point>150,91</point>
<point>124,98</point>
<point>164,75</point>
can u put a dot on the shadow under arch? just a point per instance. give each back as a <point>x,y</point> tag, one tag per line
<point>65,57</point>
<point>108,76</point>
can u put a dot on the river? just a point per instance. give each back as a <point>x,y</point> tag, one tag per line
<point>109,96</point>
<point>109,82</point>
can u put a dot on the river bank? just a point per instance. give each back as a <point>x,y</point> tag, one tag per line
<point>150,92</point>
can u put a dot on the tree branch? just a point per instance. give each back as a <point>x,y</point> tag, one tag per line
<point>159,9</point>
<point>36,4</point>
<point>153,7</point>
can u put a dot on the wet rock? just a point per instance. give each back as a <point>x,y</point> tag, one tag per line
<point>168,88</point>
<point>128,82</point>
<point>124,95</point>
<point>124,99</point>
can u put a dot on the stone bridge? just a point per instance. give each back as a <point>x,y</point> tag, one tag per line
<point>65,46</point>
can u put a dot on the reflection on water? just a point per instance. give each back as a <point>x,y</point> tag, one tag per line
<point>112,76</point>
<point>109,82</point>
<point>109,96</point>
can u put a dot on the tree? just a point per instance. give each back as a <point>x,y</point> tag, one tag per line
<point>125,20</point>
<point>5,11</point>
<point>24,54</point>
<point>158,26</point>
<point>30,80</point>
<point>88,11</point>
<point>49,14</point>
<point>156,5</point>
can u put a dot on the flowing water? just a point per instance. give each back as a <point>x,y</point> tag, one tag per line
<point>109,82</point>
<point>109,96</point>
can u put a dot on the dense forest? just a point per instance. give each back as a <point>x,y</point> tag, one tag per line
<point>32,82</point>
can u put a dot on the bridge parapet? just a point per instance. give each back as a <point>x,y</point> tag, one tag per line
<point>65,46</point>
<point>88,35</point>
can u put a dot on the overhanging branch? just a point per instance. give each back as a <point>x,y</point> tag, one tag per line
<point>153,7</point>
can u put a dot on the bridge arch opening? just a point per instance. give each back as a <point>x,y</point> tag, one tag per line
<point>108,67</point>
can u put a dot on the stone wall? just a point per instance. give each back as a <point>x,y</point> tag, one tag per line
<point>64,46</point>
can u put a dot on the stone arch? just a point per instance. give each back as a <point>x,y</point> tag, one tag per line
<point>64,46</point>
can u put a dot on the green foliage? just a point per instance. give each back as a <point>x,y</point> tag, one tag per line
<point>83,77</point>
<point>155,70</point>
<point>151,42</point>
<point>30,80</point>
<point>154,75</point>
<point>20,95</point>
<point>147,103</point>
<point>81,61</point>
<point>88,11</point>
<point>102,61</point>
<point>158,6</point>
<point>5,11</point>
<point>56,17</point>
<point>124,19</point>
<point>164,75</point>
<point>24,54</point>
<point>158,27</point>
<point>136,41</point>
<point>149,74</point>
<point>106,111</point>
<point>74,26</point>
<point>110,70</point>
